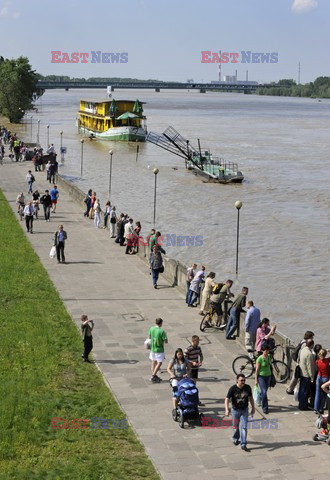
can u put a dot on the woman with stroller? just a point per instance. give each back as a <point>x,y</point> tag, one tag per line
<point>323,374</point>
<point>178,368</point>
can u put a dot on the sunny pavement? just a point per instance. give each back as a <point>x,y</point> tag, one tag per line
<point>116,291</point>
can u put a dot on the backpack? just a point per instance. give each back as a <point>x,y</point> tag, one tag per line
<point>295,353</point>
<point>32,178</point>
<point>217,288</point>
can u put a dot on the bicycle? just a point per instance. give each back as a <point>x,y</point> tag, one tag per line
<point>246,365</point>
<point>210,321</point>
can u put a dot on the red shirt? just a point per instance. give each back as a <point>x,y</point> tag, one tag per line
<point>323,367</point>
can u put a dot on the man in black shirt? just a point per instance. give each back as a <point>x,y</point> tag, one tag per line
<point>240,396</point>
<point>46,202</point>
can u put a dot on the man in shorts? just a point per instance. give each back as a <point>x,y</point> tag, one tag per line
<point>157,354</point>
<point>54,193</point>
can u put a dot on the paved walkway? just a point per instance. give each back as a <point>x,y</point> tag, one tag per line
<point>116,291</point>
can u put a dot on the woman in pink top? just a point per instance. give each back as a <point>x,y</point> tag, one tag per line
<point>264,332</point>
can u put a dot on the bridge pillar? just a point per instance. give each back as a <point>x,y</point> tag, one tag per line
<point>157,89</point>
<point>202,90</point>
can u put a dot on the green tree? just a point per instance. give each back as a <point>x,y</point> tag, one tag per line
<point>18,88</point>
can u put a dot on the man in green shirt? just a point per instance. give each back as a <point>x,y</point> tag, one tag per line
<point>157,355</point>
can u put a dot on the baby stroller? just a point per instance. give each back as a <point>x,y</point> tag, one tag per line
<point>187,409</point>
<point>324,434</point>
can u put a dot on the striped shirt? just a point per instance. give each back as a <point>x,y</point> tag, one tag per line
<point>193,354</point>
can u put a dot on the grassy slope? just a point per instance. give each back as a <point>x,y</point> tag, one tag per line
<point>41,376</point>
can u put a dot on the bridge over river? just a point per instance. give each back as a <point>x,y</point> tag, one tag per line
<point>246,87</point>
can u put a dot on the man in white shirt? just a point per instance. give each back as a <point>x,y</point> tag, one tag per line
<point>28,213</point>
<point>20,201</point>
<point>129,232</point>
<point>51,149</point>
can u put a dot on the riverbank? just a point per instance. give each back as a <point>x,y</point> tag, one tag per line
<point>116,291</point>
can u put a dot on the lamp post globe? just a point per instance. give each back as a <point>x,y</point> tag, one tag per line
<point>238,204</point>
<point>155,170</point>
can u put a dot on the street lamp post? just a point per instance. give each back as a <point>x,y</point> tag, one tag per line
<point>155,170</point>
<point>48,136</point>
<point>238,205</point>
<point>38,131</point>
<point>82,157</point>
<point>110,171</point>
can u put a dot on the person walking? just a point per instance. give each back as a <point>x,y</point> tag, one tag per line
<point>191,272</point>
<point>87,202</point>
<point>218,297</point>
<point>323,374</point>
<point>195,286</point>
<point>295,356</point>
<point>235,312</point>
<point>86,331</point>
<point>207,290</point>
<point>97,213</point>
<point>263,374</point>
<point>54,194</point>
<point>113,221</point>
<point>240,395</point>
<point>29,179</point>
<point>129,234</point>
<point>252,322</point>
<point>178,368</point>
<point>158,338</point>
<point>194,354</point>
<point>28,213</point>
<point>59,242</point>
<point>307,372</point>
<point>36,199</point>
<point>46,202</point>
<point>107,212</point>
<point>156,263</point>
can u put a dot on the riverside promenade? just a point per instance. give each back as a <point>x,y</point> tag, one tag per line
<point>115,290</point>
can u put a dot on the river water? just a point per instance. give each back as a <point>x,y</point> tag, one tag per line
<point>281,145</point>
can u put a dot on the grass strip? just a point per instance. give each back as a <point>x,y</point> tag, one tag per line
<point>42,377</point>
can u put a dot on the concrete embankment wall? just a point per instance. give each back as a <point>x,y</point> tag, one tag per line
<point>175,274</point>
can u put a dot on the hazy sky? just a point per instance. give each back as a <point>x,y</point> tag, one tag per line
<point>164,39</point>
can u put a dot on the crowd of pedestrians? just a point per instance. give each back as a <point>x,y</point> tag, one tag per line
<point>313,364</point>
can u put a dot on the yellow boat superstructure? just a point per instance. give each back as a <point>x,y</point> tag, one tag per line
<point>121,120</point>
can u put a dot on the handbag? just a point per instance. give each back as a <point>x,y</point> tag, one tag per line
<point>296,392</point>
<point>147,343</point>
<point>52,252</point>
<point>272,382</point>
<point>257,395</point>
<point>297,372</point>
<point>161,269</point>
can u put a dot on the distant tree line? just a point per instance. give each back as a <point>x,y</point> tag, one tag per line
<point>18,88</point>
<point>64,78</point>
<point>320,88</point>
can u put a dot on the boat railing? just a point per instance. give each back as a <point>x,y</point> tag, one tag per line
<point>216,162</point>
